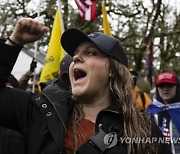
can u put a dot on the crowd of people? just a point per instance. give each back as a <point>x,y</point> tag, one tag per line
<point>95,106</point>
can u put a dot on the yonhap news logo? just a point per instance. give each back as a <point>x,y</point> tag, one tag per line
<point>150,140</point>
<point>110,140</point>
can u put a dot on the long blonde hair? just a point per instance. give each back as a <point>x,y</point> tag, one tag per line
<point>135,124</point>
<point>121,88</point>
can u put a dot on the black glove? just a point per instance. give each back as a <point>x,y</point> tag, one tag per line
<point>33,65</point>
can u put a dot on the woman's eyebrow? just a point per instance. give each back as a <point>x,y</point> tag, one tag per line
<point>76,51</point>
<point>87,47</point>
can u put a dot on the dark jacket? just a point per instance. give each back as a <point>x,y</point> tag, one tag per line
<point>42,118</point>
<point>11,142</point>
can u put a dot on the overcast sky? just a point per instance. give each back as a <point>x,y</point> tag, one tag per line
<point>22,65</point>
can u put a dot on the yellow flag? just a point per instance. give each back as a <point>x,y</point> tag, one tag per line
<point>106,26</point>
<point>55,51</point>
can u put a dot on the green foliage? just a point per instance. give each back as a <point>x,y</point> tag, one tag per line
<point>133,23</point>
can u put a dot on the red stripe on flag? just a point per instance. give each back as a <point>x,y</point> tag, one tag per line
<point>87,9</point>
<point>93,10</point>
<point>81,9</point>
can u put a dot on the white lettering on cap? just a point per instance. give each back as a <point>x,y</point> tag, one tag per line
<point>165,76</point>
<point>93,35</point>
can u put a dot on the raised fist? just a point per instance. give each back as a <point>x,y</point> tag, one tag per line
<point>27,30</point>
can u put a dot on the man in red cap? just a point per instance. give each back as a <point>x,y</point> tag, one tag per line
<point>166,85</point>
<point>166,108</point>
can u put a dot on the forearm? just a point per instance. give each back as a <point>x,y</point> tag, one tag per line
<point>8,58</point>
<point>26,30</point>
<point>23,81</point>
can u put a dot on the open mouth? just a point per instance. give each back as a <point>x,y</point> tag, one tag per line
<point>78,74</point>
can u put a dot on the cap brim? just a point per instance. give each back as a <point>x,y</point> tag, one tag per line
<point>166,81</point>
<point>71,38</point>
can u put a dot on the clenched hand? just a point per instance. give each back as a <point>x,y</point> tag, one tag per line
<point>27,30</point>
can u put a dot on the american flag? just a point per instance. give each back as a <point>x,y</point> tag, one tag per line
<point>87,9</point>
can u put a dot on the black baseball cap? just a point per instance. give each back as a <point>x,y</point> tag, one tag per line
<point>72,37</point>
<point>64,64</point>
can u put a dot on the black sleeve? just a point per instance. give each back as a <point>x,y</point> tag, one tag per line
<point>8,58</point>
<point>14,103</point>
<point>15,107</point>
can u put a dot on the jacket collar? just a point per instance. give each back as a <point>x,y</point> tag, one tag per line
<point>109,117</point>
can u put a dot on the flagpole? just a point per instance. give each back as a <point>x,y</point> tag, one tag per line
<point>36,49</point>
<point>106,26</point>
<point>61,16</point>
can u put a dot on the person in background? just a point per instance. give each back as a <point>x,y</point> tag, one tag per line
<point>91,117</point>
<point>24,81</point>
<point>166,108</point>
<point>143,100</point>
<point>11,141</point>
<point>64,69</point>
<point>63,80</point>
